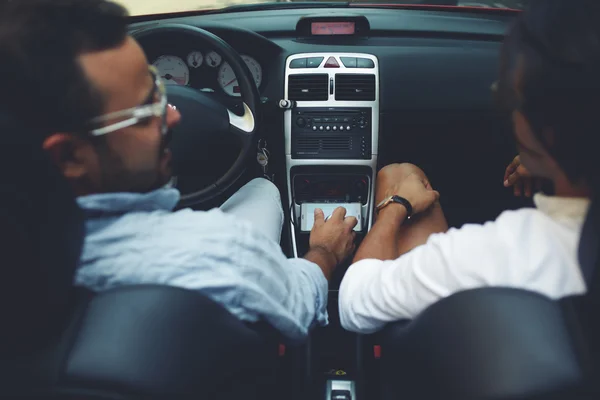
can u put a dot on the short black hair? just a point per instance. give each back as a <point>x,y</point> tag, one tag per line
<point>550,71</point>
<point>42,82</point>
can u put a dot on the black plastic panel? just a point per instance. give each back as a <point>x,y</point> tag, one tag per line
<point>331,133</point>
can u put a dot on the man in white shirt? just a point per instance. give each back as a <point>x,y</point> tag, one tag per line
<point>549,83</point>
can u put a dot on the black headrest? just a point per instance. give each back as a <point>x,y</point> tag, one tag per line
<point>41,234</point>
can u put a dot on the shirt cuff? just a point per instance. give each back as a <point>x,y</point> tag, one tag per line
<point>314,273</point>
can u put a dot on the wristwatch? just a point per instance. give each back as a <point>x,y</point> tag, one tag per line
<point>396,199</point>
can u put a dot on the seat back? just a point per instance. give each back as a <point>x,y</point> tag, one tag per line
<point>149,342</point>
<point>490,343</point>
<point>41,233</point>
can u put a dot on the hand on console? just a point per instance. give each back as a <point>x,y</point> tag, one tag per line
<point>331,241</point>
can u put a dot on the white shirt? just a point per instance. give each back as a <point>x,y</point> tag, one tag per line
<point>531,249</point>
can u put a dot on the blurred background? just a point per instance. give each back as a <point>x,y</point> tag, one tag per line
<point>146,7</point>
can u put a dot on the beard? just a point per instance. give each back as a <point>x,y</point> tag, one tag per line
<point>116,177</point>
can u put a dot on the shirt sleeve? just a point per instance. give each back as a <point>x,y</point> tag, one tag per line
<point>289,293</point>
<point>246,272</point>
<point>375,292</point>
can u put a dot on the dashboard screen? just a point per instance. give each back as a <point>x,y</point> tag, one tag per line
<point>332,28</point>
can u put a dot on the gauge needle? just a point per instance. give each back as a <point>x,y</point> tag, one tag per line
<point>179,81</point>
<point>230,82</point>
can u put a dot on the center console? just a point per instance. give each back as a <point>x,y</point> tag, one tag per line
<point>331,138</point>
<point>331,142</point>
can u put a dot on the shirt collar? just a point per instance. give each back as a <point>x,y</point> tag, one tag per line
<point>571,211</point>
<point>120,203</point>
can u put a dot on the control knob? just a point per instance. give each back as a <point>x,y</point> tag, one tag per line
<point>301,122</point>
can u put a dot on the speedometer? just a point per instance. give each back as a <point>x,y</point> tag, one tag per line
<point>173,70</point>
<point>228,80</point>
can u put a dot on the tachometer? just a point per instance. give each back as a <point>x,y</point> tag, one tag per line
<point>173,70</point>
<point>228,81</point>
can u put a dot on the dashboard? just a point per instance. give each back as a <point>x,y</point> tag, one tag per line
<point>428,59</point>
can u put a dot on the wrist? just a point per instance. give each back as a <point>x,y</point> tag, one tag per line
<point>325,252</point>
<point>324,258</point>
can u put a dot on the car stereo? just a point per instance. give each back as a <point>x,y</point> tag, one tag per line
<point>331,133</point>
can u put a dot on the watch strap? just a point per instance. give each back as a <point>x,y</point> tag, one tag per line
<point>398,200</point>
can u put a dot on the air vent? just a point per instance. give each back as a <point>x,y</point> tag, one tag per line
<point>315,145</point>
<point>308,87</point>
<point>355,87</point>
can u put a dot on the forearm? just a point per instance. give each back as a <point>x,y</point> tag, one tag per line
<point>323,258</point>
<point>393,236</point>
<point>382,241</point>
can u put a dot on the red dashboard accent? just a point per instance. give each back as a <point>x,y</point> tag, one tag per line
<point>333,28</point>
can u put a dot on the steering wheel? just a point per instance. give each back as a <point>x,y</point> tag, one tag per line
<point>203,117</point>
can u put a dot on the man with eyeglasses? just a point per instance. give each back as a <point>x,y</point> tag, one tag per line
<point>70,70</point>
<point>549,84</point>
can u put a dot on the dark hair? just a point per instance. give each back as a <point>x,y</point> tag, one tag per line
<point>42,81</point>
<point>550,71</point>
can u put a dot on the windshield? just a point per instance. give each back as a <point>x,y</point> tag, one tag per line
<point>147,7</point>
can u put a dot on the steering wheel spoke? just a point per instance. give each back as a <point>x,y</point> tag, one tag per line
<point>242,126</point>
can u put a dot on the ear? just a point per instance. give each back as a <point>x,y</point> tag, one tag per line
<point>67,152</point>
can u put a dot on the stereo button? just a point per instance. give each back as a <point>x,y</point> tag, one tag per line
<point>349,62</point>
<point>365,63</point>
<point>314,62</point>
<point>298,63</point>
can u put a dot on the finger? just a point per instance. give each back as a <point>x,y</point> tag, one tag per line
<point>512,179</point>
<point>512,167</point>
<point>427,184</point>
<point>339,214</point>
<point>528,187</point>
<point>522,171</point>
<point>319,216</point>
<point>518,189</point>
<point>351,222</point>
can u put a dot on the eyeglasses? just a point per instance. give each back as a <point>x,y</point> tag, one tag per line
<point>135,115</point>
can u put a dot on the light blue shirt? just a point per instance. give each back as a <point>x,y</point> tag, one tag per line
<point>137,239</point>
